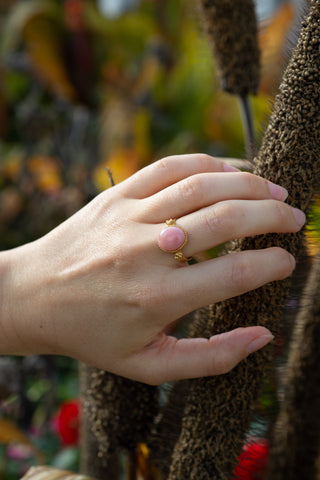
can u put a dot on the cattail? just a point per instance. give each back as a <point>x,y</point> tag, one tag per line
<point>117,415</point>
<point>296,440</point>
<point>91,463</point>
<point>232,31</point>
<point>217,411</point>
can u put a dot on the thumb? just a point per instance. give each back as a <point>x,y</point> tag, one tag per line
<point>171,359</point>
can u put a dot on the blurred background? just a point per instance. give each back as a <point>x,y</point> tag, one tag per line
<point>90,84</point>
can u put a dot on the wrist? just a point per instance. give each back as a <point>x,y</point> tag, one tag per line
<point>7,342</point>
<point>19,291</point>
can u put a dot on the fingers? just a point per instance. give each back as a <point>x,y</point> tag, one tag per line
<point>223,277</point>
<point>204,189</point>
<point>234,219</point>
<point>170,359</point>
<point>168,171</point>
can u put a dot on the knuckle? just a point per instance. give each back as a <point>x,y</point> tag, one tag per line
<point>228,356</point>
<point>190,187</point>
<point>220,217</point>
<point>241,273</point>
<point>223,364</point>
<point>281,213</point>
<point>163,164</point>
<point>204,160</point>
<point>251,183</point>
<point>144,297</point>
<point>123,263</point>
<point>151,298</point>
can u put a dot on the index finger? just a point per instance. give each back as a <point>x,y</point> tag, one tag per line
<point>169,170</point>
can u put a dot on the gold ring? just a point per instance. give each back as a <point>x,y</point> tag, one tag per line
<point>172,239</point>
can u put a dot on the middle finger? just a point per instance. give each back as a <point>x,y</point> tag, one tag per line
<point>202,190</point>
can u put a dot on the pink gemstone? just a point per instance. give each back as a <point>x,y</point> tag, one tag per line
<point>171,238</point>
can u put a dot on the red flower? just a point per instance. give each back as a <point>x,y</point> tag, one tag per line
<point>252,461</point>
<point>66,422</point>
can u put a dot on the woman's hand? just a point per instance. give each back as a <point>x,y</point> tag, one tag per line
<point>99,288</point>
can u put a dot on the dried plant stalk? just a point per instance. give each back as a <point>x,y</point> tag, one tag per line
<point>218,410</point>
<point>117,414</point>
<point>296,439</point>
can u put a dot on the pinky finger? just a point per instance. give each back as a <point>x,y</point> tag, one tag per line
<point>226,277</point>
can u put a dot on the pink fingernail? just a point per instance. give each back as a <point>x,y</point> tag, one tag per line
<point>292,260</point>
<point>299,216</point>
<point>259,342</point>
<point>229,168</point>
<point>277,192</point>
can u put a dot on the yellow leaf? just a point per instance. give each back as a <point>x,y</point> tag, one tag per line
<point>46,172</point>
<point>313,229</point>
<point>313,243</point>
<point>12,166</point>
<point>122,162</point>
<point>10,433</point>
<point>145,470</point>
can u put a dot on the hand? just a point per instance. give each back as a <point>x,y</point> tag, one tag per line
<point>98,287</point>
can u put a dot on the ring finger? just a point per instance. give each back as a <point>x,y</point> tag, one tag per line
<point>233,219</point>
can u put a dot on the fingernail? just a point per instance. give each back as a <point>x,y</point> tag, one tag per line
<point>293,261</point>
<point>277,192</point>
<point>299,216</point>
<point>259,342</point>
<point>229,168</point>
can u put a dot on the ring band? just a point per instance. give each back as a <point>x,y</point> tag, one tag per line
<point>179,236</point>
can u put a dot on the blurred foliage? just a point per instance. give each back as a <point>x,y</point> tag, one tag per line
<point>80,91</point>
<point>31,414</point>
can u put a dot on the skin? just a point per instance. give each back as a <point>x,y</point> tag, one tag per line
<point>99,289</point>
